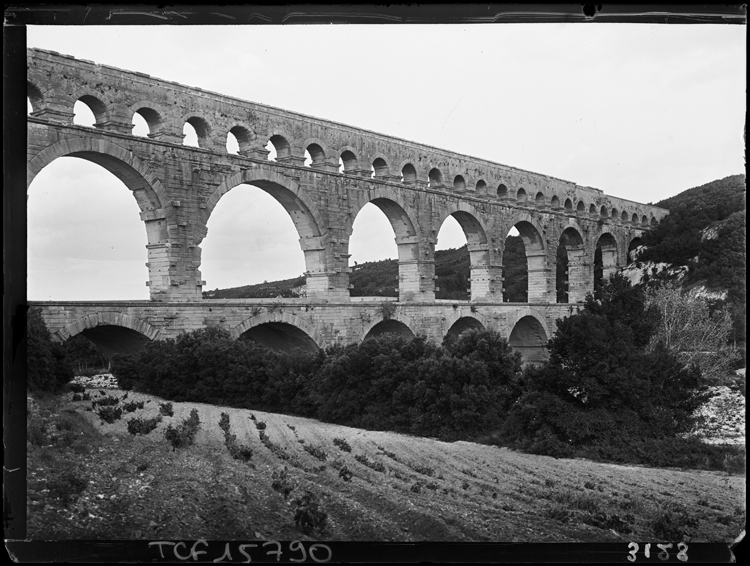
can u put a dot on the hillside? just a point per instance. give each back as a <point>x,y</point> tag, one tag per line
<point>91,480</point>
<point>703,243</point>
<point>380,278</point>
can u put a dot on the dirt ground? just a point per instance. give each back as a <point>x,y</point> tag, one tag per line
<point>401,488</point>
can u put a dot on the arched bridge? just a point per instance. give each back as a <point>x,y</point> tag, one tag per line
<point>323,174</point>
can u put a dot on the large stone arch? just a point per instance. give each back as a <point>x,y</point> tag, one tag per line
<point>310,225</point>
<point>406,230</point>
<point>608,242</point>
<point>478,245</point>
<point>576,270</point>
<point>112,332</point>
<point>147,189</point>
<point>528,333</point>
<point>279,318</point>
<point>535,245</point>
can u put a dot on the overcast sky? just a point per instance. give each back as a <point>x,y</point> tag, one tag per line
<point>642,112</point>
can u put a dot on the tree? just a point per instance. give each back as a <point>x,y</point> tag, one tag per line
<point>605,382</point>
<point>48,369</point>
<point>688,328</point>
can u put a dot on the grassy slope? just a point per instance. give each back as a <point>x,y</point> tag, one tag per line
<point>138,487</point>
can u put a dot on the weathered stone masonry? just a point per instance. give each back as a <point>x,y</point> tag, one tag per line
<point>416,186</point>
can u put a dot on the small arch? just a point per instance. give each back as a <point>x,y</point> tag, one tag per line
<point>409,174</point>
<point>153,120</point>
<point>603,212</point>
<point>624,216</point>
<point>615,213</point>
<point>654,222</point>
<point>592,210</point>
<point>348,162</point>
<point>242,136</point>
<point>555,202</point>
<point>521,196</point>
<point>581,208</point>
<point>462,325</point>
<point>634,219</point>
<point>282,147</point>
<point>459,184</point>
<point>34,96</point>
<point>89,111</point>
<point>481,187</point>
<point>568,205</point>
<point>390,326</point>
<point>317,154</point>
<point>644,220</point>
<point>201,130</point>
<point>379,167</point>
<point>539,199</point>
<point>502,191</point>
<point>529,337</point>
<point>435,177</point>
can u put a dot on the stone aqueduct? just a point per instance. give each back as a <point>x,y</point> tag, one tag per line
<point>416,186</point>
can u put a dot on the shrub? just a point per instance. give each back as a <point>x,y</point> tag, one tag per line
<point>237,451</point>
<point>373,465</point>
<point>342,444</point>
<point>345,473</point>
<point>281,482</point>
<point>317,452</point>
<point>260,425</point>
<point>139,425</point>
<point>308,516</point>
<point>183,434</point>
<point>110,413</point>
<point>421,469</point>
<point>132,406</point>
<point>47,365</point>
<point>106,401</point>
<point>416,487</point>
<point>125,369</point>
<point>77,388</point>
<point>166,409</point>
<point>77,397</point>
<point>67,486</point>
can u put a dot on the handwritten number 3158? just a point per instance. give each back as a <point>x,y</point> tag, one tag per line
<point>663,555</point>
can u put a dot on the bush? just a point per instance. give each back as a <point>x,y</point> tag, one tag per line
<point>106,401</point>
<point>342,444</point>
<point>77,388</point>
<point>316,452</point>
<point>67,486</point>
<point>132,406</point>
<point>110,414</point>
<point>345,473</point>
<point>125,369</point>
<point>139,425</point>
<point>308,516</point>
<point>166,409</point>
<point>373,465</point>
<point>47,366</point>
<point>183,434</point>
<point>237,451</point>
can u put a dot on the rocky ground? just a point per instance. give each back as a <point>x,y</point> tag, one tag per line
<point>88,479</point>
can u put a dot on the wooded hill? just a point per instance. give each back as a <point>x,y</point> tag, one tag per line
<point>380,278</point>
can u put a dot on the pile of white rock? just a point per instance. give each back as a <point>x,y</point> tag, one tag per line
<point>102,381</point>
<point>724,416</point>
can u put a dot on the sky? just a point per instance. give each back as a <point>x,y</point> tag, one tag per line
<point>641,111</point>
